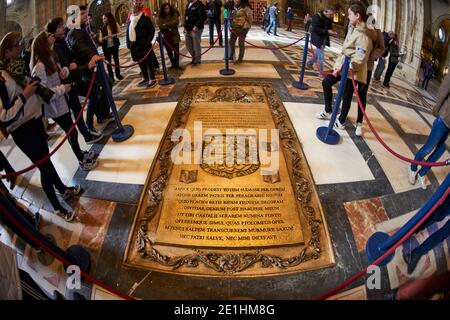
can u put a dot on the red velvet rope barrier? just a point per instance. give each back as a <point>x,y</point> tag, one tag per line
<point>135,63</point>
<point>420,163</point>
<point>47,157</point>
<point>60,258</point>
<point>189,56</point>
<point>389,252</point>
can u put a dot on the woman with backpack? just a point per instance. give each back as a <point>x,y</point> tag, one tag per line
<point>241,23</point>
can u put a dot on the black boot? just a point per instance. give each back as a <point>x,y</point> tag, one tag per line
<point>118,75</point>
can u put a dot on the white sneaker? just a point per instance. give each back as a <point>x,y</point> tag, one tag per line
<point>422,182</point>
<point>323,115</point>
<point>358,130</point>
<point>338,125</point>
<point>412,176</point>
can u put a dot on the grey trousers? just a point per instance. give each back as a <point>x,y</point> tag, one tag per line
<point>193,45</point>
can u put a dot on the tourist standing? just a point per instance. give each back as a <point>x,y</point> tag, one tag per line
<point>321,30</point>
<point>22,117</point>
<point>439,136</point>
<point>357,46</point>
<point>44,64</point>
<point>213,12</point>
<point>428,73</point>
<point>195,17</point>
<point>140,33</point>
<point>394,59</point>
<point>387,36</point>
<point>65,58</point>
<point>109,38</point>
<point>289,18</point>
<point>241,23</point>
<point>168,24</point>
<point>273,15</point>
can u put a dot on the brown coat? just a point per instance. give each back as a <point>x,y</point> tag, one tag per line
<point>378,47</point>
<point>442,108</point>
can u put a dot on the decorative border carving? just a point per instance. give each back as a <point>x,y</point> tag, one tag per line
<point>230,263</point>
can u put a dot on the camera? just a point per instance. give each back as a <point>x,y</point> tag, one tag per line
<point>45,93</point>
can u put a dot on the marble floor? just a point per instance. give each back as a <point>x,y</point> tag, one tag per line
<point>362,188</point>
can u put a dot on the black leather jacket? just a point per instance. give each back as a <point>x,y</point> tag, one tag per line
<point>82,47</point>
<point>195,16</point>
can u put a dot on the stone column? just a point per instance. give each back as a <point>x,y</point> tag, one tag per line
<point>2,17</point>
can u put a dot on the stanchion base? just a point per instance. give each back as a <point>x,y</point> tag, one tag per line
<point>300,85</point>
<point>373,251</point>
<point>122,134</point>
<point>81,257</point>
<point>165,82</point>
<point>227,72</point>
<point>332,138</point>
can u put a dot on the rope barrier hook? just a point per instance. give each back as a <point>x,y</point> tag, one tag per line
<point>327,134</point>
<point>300,84</point>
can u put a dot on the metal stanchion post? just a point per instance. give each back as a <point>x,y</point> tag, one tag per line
<point>381,242</point>
<point>122,133</point>
<point>166,80</point>
<point>227,71</point>
<point>327,134</point>
<point>300,84</point>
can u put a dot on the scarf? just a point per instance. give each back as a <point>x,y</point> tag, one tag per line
<point>133,23</point>
<point>15,68</point>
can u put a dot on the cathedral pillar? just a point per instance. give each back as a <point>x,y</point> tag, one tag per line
<point>2,17</point>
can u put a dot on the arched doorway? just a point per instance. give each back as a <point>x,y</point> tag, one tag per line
<point>98,8</point>
<point>122,14</point>
<point>435,47</point>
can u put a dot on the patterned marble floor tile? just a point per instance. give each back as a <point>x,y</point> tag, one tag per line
<point>447,252</point>
<point>430,118</point>
<point>302,93</point>
<point>358,293</point>
<point>243,70</point>
<point>98,293</point>
<point>329,164</point>
<point>364,215</point>
<point>88,229</point>
<point>407,118</point>
<point>129,161</point>
<point>397,268</point>
<point>395,169</point>
<point>251,54</point>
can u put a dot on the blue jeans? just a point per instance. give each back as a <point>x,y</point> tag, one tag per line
<point>319,54</point>
<point>193,45</point>
<point>435,144</point>
<point>273,23</point>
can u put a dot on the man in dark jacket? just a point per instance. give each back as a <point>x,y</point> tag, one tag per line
<point>387,36</point>
<point>213,12</point>
<point>84,49</point>
<point>321,30</point>
<point>195,17</point>
<point>140,33</point>
<point>56,27</point>
<point>394,59</point>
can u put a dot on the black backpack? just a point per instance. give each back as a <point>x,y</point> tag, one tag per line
<point>6,103</point>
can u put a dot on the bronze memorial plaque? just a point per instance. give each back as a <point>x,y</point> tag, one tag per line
<point>230,192</point>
